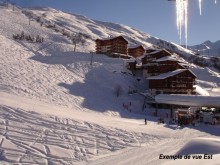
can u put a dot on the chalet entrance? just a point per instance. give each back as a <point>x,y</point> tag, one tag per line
<point>184,117</point>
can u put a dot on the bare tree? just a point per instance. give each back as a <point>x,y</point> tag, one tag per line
<point>78,39</point>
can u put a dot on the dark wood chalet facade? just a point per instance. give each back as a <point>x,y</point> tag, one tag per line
<point>150,50</point>
<point>157,69</point>
<point>136,51</point>
<point>180,81</point>
<point>162,65</point>
<point>112,45</point>
<point>155,55</point>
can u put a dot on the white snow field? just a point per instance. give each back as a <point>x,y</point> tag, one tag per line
<point>56,107</point>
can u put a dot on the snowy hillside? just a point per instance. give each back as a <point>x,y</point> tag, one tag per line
<point>93,29</point>
<point>58,106</point>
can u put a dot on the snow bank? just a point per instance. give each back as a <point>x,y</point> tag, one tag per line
<point>207,148</point>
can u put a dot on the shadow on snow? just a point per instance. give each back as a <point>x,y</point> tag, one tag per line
<point>97,82</point>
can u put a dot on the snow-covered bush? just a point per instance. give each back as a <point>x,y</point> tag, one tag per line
<point>27,37</point>
<point>39,39</point>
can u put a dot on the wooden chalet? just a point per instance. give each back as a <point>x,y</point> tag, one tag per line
<point>180,81</point>
<point>167,60</point>
<point>118,45</point>
<point>155,55</point>
<point>136,51</point>
<point>162,65</point>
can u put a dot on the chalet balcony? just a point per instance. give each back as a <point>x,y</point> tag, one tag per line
<point>186,86</point>
<point>181,82</point>
<point>182,77</point>
<point>174,88</point>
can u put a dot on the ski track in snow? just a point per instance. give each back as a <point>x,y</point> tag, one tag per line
<point>28,137</point>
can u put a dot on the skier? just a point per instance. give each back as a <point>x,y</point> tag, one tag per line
<point>145,120</point>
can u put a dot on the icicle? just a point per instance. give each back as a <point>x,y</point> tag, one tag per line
<point>186,21</point>
<point>182,17</point>
<point>179,18</point>
<point>200,7</point>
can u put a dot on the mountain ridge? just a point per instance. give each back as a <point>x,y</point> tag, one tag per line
<point>207,48</point>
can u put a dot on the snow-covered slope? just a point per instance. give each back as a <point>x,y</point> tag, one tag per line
<point>207,48</point>
<point>207,54</point>
<point>58,106</point>
<point>93,29</point>
<point>52,72</point>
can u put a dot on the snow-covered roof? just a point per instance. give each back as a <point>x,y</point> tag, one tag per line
<point>169,74</point>
<point>135,46</point>
<point>189,100</point>
<point>113,37</point>
<point>166,75</point>
<point>160,50</point>
<point>154,52</point>
<point>166,58</point>
<point>183,64</point>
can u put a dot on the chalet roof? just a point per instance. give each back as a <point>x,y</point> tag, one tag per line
<point>160,50</point>
<point>169,74</point>
<point>166,58</point>
<point>155,50</point>
<point>183,64</point>
<point>113,37</point>
<point>135,46</point>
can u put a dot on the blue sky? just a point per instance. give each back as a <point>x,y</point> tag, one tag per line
<point>156,17</point>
